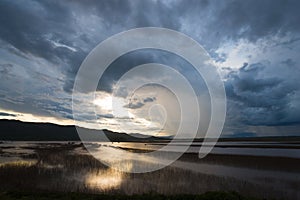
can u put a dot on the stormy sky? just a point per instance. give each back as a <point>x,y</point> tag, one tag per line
<point>254,44</point>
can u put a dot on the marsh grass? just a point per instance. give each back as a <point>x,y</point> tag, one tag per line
<point>59,173</point>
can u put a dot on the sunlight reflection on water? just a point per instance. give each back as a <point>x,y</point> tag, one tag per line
<point>104,179</point>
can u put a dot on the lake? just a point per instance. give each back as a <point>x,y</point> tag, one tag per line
<point>260,169</point>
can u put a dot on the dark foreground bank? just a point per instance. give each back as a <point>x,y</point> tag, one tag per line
<point>73,196</point>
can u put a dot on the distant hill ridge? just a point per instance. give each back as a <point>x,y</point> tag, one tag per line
<point>13,130</point>
<point>28,131</point>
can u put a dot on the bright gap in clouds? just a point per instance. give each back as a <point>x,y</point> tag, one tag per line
<point>104,102</point>
<point>121,114</point>
<point>28,117</point>
<point>233,55</point>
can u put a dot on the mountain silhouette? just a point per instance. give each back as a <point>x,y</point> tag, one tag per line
<point>28,131</point>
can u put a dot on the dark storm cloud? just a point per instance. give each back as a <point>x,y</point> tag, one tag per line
<point>121,65</point>
<point>135,58</point>
<point>133,13</point>
<point>261,100</point>
<point>157,14</point>
<point>40,22</point>
<point>246,81</point>
<point>149,99</point>
<point>25,24</point>
<point>32,27</point>
<point>63,33</point>
<point>39,106</point>
<point>235,19</point>
<point>214,22</point>
<point>256,19</point>
<point>7,114</point>
<point>5,68</point>
<point>289,62</point>
<point>134,105</point>
<point>61,108</point>
<point>115,13</point>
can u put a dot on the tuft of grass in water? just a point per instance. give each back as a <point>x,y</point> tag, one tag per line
<point>19,195</point>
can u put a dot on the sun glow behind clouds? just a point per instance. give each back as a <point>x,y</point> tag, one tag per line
<point>104,102</point>
<point>114,106</point>
<point>117,111</point>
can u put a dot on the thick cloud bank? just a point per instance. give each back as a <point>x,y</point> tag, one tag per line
<point>254,44</point>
